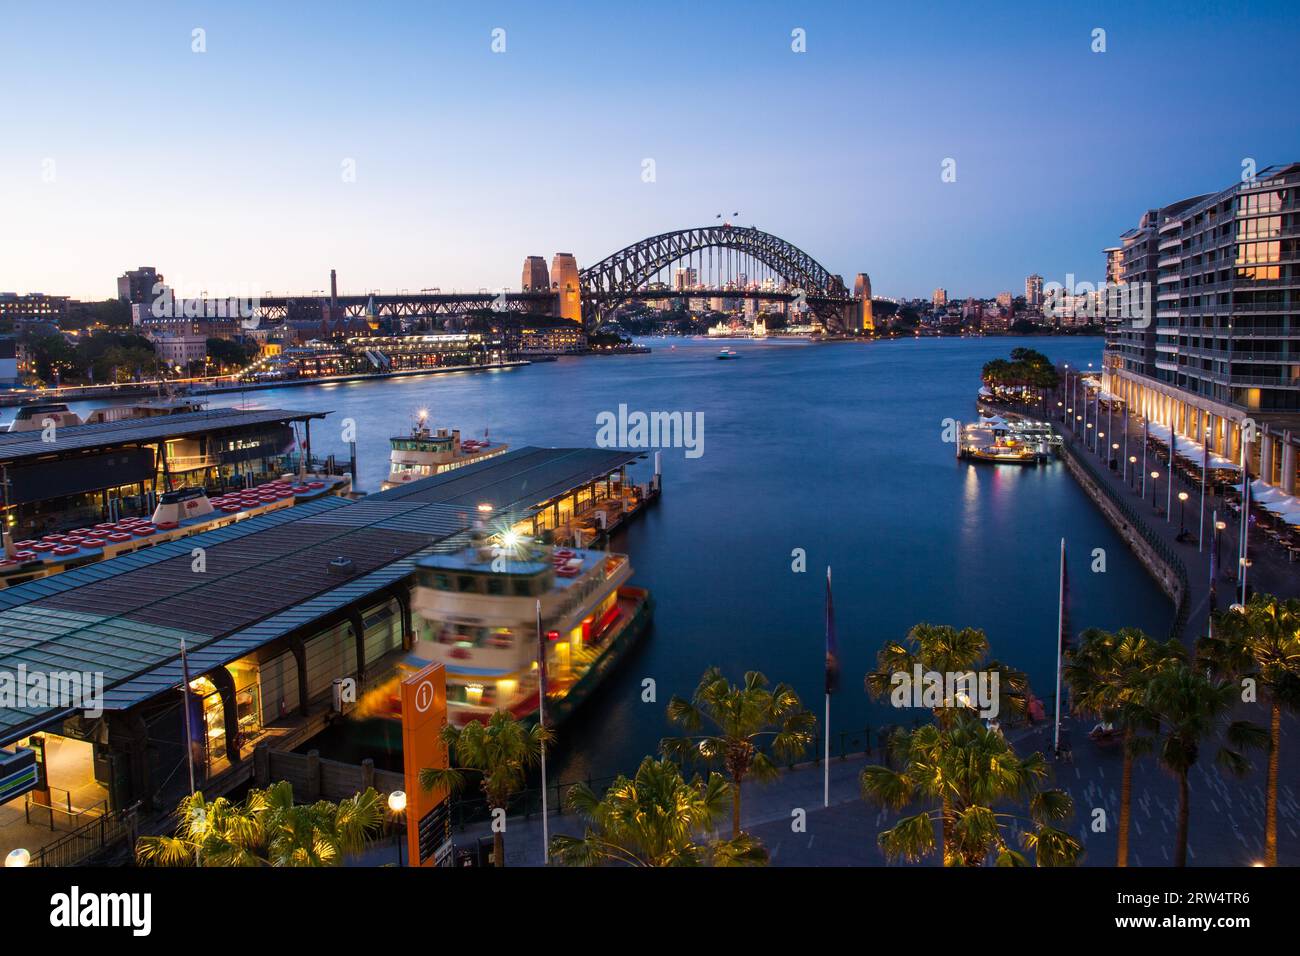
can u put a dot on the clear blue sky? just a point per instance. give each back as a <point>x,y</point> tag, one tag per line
<point>223,169</point>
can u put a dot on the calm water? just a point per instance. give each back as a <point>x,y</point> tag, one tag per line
<point>834,449</point>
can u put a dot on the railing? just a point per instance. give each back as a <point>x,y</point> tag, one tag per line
<point>99,834</point>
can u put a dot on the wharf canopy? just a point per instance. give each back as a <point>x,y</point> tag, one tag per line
<point>87,471</point>
<point>284,604</point>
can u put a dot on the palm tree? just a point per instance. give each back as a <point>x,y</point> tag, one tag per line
<point>1261,642</point>
<point>1191,707</point>
<point>970,770</point>
<point>501,751</point>
<point>741,717</point>
<point>653,820</point>
<point>266,829</point>
<point>1108,675</point>
<point>942,649</point>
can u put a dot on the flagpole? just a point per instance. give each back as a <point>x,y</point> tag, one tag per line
<point>826,758</point>
<point>541,722</point>
<point>1205,467</point>
<point>1060,626</point>
<point>185,700</point>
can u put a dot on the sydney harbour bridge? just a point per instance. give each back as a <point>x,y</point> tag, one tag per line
<point>707,262</point>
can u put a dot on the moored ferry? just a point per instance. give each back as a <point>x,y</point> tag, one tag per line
<point>424,453</point>
<point>480,612</point>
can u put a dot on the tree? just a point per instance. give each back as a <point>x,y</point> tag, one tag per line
<point>655,820</point>
<point>1191,708</point>
<point>1108,676</point>
<point>970,770</point>
<point>265,829</point>
<point>741,717</point>
<point>942,649</point>
<point>501,751</point>
<point>1261,643</point>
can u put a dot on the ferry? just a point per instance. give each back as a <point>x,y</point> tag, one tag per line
<point>479,619</point>
<point>423,453</point>
<point>1004,442</point>
<point>179,513</point>
<point>34,417</point>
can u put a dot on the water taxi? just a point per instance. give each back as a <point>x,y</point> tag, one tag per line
<point>994,440</point>
<point>179,513</point>
<point>478,610</point>
<point>728,354</point>
<point>424,453</point>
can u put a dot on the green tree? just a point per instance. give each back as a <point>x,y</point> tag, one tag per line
<point>501,752</point>
<point>1261,643</point>
<point>266,828</point>
<point>1108,676</point>
<point>740,718</point>
<point>1191,708</point>
<point>970,771</point>
<point>655,819</point>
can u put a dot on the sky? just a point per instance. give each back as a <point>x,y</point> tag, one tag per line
<point>227,169</point>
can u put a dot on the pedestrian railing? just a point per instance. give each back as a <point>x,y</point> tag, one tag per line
<point>100,833</point>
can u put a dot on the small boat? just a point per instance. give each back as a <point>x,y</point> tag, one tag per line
<point>424,453</point>
<point>728,354</point>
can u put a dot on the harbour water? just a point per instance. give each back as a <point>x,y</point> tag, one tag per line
<point>834,449</point>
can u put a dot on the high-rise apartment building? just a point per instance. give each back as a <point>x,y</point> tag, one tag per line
<point>940,298</point>
<point>1218,353</point>
<point>1034,291</point>
<point>137,285</point>
<point>685,277</point>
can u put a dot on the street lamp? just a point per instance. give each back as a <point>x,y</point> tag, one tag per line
<point>1245,566</point>
<point>1182,507</point>
<point>1154,476</point>
<point>1218,526</point>
<point>397,804</point>
<point>18,857</point>
<point>1114,448</point>
<point>1133,460</point>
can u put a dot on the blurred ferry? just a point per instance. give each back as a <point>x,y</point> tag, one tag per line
<point>423,453</point>
<point>479,611</point>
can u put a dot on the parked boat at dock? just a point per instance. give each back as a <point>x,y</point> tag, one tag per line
<point>424,453</point>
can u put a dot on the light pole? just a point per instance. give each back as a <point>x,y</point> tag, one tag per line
<point>1154,504</point>
<point>1133,461</point>
<point>1182,507</point>
<point>397,805</point>
<point>1245,566</point>
<point>1110,459</point>
<point>1218,526</point>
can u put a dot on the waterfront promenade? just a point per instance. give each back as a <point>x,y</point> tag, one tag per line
<point>1270,572</point>
<point>1227,813</point>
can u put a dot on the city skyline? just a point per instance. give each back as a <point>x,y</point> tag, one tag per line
<point>234,178</point>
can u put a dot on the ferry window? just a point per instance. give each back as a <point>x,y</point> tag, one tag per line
<point>466,582</point>
<point>442,582</point>
<point>496,585</point>
<point>500,637</point>
<point>523,587</point>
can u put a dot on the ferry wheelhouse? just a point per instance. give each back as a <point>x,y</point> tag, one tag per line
<point>479,607</point>
<point>424,453</point>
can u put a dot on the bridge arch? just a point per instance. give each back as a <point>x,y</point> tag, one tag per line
<point>625,273</point>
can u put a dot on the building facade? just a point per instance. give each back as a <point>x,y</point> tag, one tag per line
<point>1219,357</point>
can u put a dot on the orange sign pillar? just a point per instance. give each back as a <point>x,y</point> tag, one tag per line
<point>428,813</point>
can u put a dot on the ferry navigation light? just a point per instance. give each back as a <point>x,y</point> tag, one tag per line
<point>18,857</point>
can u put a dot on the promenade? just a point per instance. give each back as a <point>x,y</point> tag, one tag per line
<point>1271,570</point>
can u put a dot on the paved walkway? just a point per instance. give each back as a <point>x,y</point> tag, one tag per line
<point>1271,570</point>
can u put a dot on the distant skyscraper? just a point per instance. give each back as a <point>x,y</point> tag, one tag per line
<point>940,298</point>
<point>536,278</point>
<point>564,282</point>
<point>685,277</point>
<point>1004,300</point>
<point>1034,291</point>
<point>865,318</point>
<point>136,285</point>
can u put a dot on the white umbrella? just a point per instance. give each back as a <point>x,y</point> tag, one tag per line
<point>1283,505</point>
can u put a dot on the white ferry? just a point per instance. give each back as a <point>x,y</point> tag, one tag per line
<point>424,453</point>
<point>479,619</point>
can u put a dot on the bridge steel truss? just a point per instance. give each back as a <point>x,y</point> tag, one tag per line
<point>623,275</point>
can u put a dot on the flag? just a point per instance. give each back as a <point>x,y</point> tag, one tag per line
<point>541,660</point>
<point>832,652</point>
<point>1065,604</point>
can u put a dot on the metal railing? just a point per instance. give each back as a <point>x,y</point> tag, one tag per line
<point>101,833</point>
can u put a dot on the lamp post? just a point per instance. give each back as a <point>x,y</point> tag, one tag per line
<point>1132,460</point>
<point>1182,507</point>
<point>18,857</point>
<point>1154,504</point>
<point>397,805</point>
<point>1114,449</point>
<point>1245,566</point>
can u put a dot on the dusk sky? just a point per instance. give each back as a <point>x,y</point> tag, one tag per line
<point>225,168</point>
